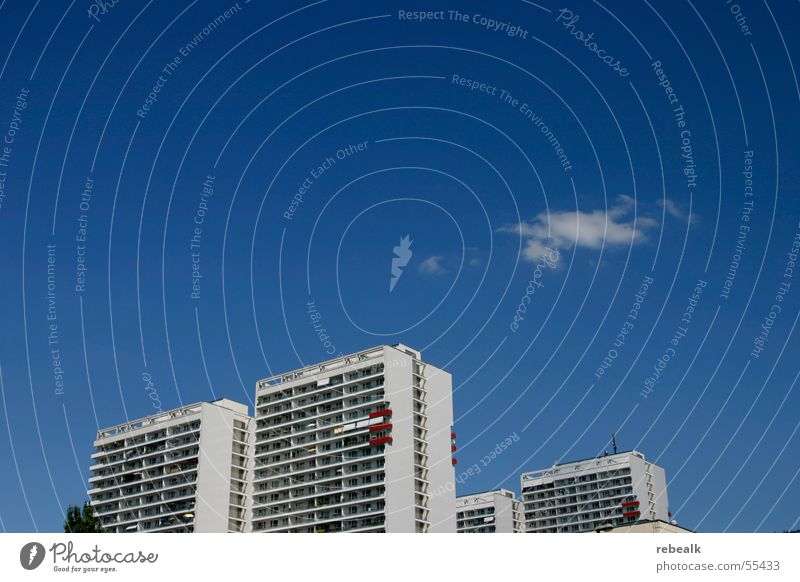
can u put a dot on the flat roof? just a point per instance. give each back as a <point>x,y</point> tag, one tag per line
<point>167,415</point>
<point>609,456</point>
<point>506,492</point>
<point>332,364</point>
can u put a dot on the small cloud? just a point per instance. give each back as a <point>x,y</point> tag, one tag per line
<point>432,266</point>
<point>595,229</point>
<point>671,208</point>
<point>473,256</point>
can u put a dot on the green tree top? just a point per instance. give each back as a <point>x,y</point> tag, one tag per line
<point>82,520</point>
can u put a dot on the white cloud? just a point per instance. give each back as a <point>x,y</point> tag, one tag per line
<point>593,230</point>
<point>673,209</point>
<point>432,266</point>
<point>473,256</point>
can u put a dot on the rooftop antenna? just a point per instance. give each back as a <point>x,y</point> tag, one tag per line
<point>614,442</point>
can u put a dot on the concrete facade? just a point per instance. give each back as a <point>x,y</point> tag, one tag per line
<point>595,493</point>
<point>647,526</point>
<point>357,443</point>
<point>183,470</point>
<point>496,511</point>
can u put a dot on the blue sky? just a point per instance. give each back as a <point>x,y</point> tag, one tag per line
<point>298,143</point>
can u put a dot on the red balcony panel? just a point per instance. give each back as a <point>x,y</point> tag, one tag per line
<point>379,413</point>
<point>453,448</point>
<point>455,461</point>
<point>381,440</point>
<point>452,435</point>
<point>631,513</point>
<point>384,426</point>
<point>630,503</point>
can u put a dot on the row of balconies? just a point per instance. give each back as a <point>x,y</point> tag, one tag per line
<point>141,504</point>
<point>591,525</point>
<point>589,477</point>
<point>350,522</point>
<point>159,459</point>
<point>330,512</point>
<point>366,491</point>
<point>163,513</point>
<point>282,482</point>
<point>568,500</point>
<point>324,394</point>
<point>313,445</point>
<point>617,494</point>
<point>311,489</point>
<point>557,493</point>
<point>322,458</point>
<point>375,452</point>
<point>345,482</point>
<point>111,477</point>
<point>132,444</point>
<point>575,512</point>
<point>583,516</point>
<point>374,524</point>
<point>331,408</point>
<point>339,501</point>
<point>141,488</point>
<point>142,452</point>
<point>318,428</point>
<point>306,388</point>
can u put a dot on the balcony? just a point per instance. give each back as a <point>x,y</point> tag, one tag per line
<point>330,407</point>
<point>316,390</point>
<point>351,523</point>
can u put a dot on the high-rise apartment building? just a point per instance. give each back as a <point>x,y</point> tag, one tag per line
<point>647,526</point>
<point>357,443</point>
<point>184,470</point>
<point>496,511</point>
<point>592,494</point>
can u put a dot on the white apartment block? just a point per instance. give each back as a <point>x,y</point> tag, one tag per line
<point>497,511</point>
<point>184,470</point>
<point>647,526</point>
<point>355,444</point>
<point>593,494</point>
